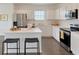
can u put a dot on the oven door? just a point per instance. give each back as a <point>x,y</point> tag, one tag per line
<point>67,38</point>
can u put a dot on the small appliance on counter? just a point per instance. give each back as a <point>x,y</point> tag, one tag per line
<point>15,24</point>
<point>15,28</point>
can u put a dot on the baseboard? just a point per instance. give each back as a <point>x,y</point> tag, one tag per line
<point>56,40</point>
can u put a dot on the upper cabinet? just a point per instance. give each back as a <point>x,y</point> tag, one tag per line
<point>57,14</point>
<point>60,13</point>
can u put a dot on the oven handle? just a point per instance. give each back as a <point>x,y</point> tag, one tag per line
<point>62,34</point>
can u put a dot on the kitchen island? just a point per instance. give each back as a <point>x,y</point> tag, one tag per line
<point>22,34</point>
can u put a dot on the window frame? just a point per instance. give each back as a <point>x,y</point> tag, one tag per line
<point>40,15</point>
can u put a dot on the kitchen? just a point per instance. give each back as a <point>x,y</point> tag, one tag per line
<point>56,18</point>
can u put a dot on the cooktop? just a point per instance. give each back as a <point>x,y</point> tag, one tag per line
<point>70,29</point>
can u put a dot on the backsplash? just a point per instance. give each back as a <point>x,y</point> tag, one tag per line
<point>66,23</point>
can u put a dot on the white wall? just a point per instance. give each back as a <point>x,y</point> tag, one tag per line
<point>6,8</point>
<point>29,9</point>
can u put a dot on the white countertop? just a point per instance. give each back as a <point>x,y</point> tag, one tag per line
<point>2,32</point>
<point>23,30</point>
<point>75,33</point>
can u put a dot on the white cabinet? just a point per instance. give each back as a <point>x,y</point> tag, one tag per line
<point>55,32</point>
<point>57,14</point>
<point>75,42</point>
<point>60,13</point>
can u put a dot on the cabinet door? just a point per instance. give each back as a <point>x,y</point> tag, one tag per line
<point>55,33</point>
<point>63,11</point>
<point>57,14</point>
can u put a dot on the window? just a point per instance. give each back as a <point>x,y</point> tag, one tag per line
<point>39,15</point>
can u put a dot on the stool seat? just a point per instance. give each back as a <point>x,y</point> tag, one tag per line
<point>31,40</point>
<point>11,40</point>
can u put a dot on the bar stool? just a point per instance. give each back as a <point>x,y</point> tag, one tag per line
<point>31,40</point>
<point>11,40</point>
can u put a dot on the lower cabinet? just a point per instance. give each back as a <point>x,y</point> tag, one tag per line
<point>55,32</point>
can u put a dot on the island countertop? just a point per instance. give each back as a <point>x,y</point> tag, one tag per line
<point>31,30</point>
<point>23,30</point>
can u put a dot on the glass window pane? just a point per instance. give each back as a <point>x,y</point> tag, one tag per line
<point>39,15</point>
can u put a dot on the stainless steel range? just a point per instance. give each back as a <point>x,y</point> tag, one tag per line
<point>65,38</point>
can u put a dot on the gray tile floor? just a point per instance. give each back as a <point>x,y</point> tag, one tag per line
<point>49,47</point>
